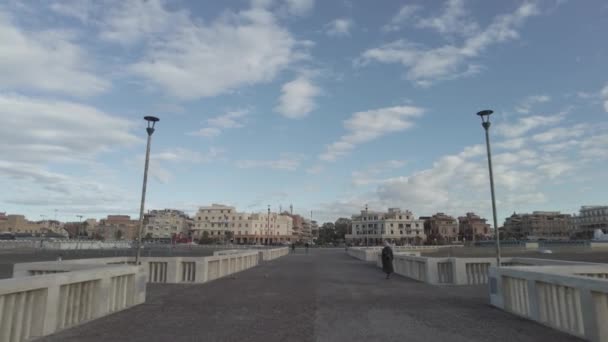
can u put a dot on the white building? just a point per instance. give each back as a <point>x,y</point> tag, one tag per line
<point>590,218</point>
<point>372,227</point>
<point>221,222</point>
<point>166,223</point>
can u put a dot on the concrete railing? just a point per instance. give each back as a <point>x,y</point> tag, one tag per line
<point>41,305</point>
<point>572,298</point>
<point>63,244</point>
<point>371,253</point>
<point>274,253</point>
<point>158,269</point>
<point>458,271</point>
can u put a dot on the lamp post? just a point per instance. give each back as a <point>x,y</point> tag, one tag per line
<point>78,232</point>
<point>366,231</point>
<point>268,227</point>
<point>485,123</point>
<point>152,120</point>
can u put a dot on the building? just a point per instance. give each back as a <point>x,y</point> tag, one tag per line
<point>166,223</point>
<point>471,227</point>
<point>297,226</point>
<point>400,227</point>
<point>590,218</point>
<point>19,224</point>
<point>441,227</point>
<point>117,227</point>
<point>545,225</point>
<point>226,224</point>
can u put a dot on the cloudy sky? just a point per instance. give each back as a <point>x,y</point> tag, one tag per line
<point>326,105</point>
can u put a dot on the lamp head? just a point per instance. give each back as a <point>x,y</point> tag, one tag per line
<point>152,120</point>
<point>485,117</point>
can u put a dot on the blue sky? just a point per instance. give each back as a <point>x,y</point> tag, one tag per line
<point>326,105</point>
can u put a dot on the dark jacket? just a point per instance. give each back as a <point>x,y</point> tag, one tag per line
<point>387,260</point>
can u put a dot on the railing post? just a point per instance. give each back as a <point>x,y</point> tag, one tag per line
<point>49,324</point>
<point>589,316</point>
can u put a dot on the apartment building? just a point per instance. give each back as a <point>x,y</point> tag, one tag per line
<point>225,223</point>
<point>395,225</point>
<point>442,227</point>
<point>546,225</point>
<point>166,223</point>
<point>471,227</point>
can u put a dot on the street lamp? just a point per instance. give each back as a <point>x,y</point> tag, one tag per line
<point>485,123</point>
<point>366,226</point>
<point>152,120</point>
<point>268,227</point>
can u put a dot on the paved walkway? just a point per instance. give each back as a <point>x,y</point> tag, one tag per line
<point>322,296</point>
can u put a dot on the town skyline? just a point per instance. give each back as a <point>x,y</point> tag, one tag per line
<point>316,104</point>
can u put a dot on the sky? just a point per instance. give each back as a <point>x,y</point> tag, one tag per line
<point>323,105</point>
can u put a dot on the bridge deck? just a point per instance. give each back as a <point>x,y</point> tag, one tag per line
<point>322,296</point>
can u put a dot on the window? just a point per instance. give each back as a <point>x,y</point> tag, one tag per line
<point>392,232</point>
<point>407,217</point>
<point>391,224</point>
<point>400,217</point>
<point>246,225</point>
<point>416,224</point>
<point>400,225</point>
<point>408,225</point>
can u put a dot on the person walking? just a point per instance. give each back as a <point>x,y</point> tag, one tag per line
<point>293,248</point>
<point>306,245</point>
<point>387,259</point>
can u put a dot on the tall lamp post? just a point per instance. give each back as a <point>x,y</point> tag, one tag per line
<point>268,227</point>
<point>485,123</point>
<point>152,120</point>
<point>366,226</point>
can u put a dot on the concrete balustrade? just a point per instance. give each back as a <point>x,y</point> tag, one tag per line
<point>371,253</point>
<point>63,244</point>
<point>568,298</point>
<point>460,271</point>
<point>162,269</point>
<point>41,305</point>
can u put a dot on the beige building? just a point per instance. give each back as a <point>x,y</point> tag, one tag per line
<point>19,224</point>
<point>547,225</point>
<point>225,223</point>
<point>442,226</point>
<point>400,227</point>
<point>473,228</point>
<point>166,224</point>
<point>117,227</point>
<point>590,218</point>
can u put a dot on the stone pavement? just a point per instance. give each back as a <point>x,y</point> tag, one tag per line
<point>323,296</point>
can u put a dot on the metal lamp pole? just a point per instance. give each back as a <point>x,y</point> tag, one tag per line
<point>485,123</point>
<point>366,226</point>
<point>268,227</point>
<point>152,120</point>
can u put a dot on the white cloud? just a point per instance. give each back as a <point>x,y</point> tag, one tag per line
<point>526,124</point>
<point>287,162</point>
<point>41,130</point>
<point>161,162</point>
<point>428,65</point>
<point>339,27</point>
<point>315,170</point>
<point>366,126</point>
<point>560,133</point>
<point>230,119</point>
<point>297,98</point>
<point>193,60</point>
<point>300,7</point>
<point>604,95</point>
<point>526,105</point>
<point>207,132</point>
<point>373,174</point>
<point>511,144</point>
<point>453,20</point>
<point>45,60</point>
<point>405,14</point>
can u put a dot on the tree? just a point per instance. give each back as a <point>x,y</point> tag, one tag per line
<point>205,239</point>
<point>118,234</point>
<point>342,227</point>
<point>148,236</point>
<point>228,235</point>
